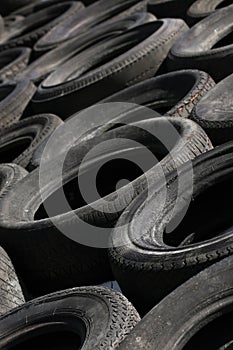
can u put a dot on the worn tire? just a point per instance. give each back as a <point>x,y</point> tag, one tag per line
<point>150,258</point>
<point>173,94</point>
<point>15,96</point>
<point>60,260</point>
<point>95,317</point>
<point>36,6</point>
<point>214,112</point>
<point>190,316</point>
<point>23,142</point>
<point>130,59</point>
<point>204,8</point>
<point>40,68</point>
<point>13,61</point>
<point>197,47</point>
<point>33,27</point>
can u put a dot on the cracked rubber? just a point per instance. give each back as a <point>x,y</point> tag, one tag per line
<point>152,257</point>
<point>214,112</point>
<point>23,142</point>
<point>100,317</point>
<point>14,98</point>
<point>207,300</point>
<point>172,94</point>
<point>13,61</point>
<point>206,46</point>
<point>100,71</point>
<point>59,260</point>
<point>40,68</point>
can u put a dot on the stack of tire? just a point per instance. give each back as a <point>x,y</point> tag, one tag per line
<point>116,171</point>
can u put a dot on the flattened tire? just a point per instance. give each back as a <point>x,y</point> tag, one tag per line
<point>207,301</point>
<point>214,112</point>
<point>172,94</point>
<point>23,142</point>
<point>13,61</point>
<point>206,46</point>
<point>130,59</point>
<point>15,96</point>
<point>96,318</point>
<point>152,255</point>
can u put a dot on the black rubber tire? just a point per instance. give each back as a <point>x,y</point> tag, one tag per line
<point>36,25</point>
<point>15,96</point>
<point>199,305</point>
<point>13,61</point>
<point>97,317</point>
<point>149,266</point>
<point>196,48</point>
<point>40,68</point>
<point>23,142</point>
<point>169,8</point>
<point>130,59</point>
<point>8,6</point>
<point>173,94</point>
<point>98,12</point>
<point>214,113</point>
<point>50,256</point>
<point>203,8</point>
<point>35,6</point>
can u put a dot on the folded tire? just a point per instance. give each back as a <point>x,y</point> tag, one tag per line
<point>40,68</point>
<point>153,256</point>
<point>214,112</point>
<point>33,27</point>
<point>36,6</point>
<point>203,8</point>
<point>207,301</point>
<point>68,255</point>
<point>206,46</point>
<point>22,143</point>
<point>84,318</point>
<point>107,68</point>
<point>14,98</point>
<point>91,16</point>
<point>13,61</point>
<point>174,94</point>
<point>169,8</point>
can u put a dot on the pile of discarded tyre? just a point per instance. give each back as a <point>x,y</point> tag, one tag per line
<point>116,152</point>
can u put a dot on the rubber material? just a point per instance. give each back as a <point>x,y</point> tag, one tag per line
<point>203,8</point>
<point>14,97</point>
<point>169,8</point>
<point>214,112</point>
<point>36,6</point>
<point>91,16</point>
<point>13,61</point>
<point>8,6</point>
<point>96,318</point>
<point>40,68</point>
<point>154,258</point>
<point>36,25</point>
<point>130,59</point>
<point>23,142</point>
<point>206,46</point>
<point>207,300</point>
<point>174,94</point>
<point>81,264</point>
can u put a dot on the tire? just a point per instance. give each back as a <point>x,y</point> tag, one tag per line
<point>36,6</point>
<point>169,8</point>
<point>207,300</point>
<point>13,61</point>
<point>214,112</point>
<point>196,48</point>
<point>148,267</point>
<point>130,59</point>
<point>40,68</point>
<point>60,260</point>
<point>28,32</point>
<point>95,318</point>
<point>174,94</point>
<point>97,13</point>
<point>15,96</point>
<point>23,142</point>
<point>204,8</point>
